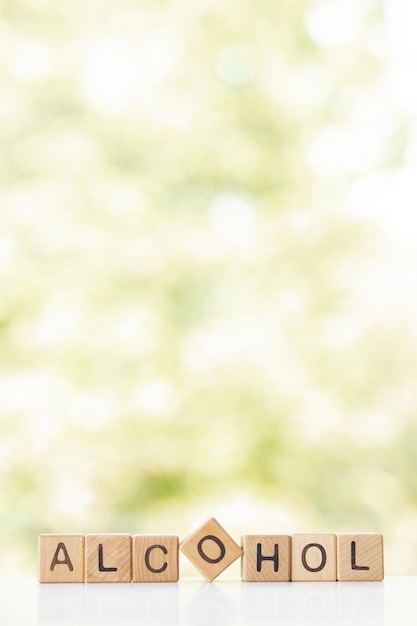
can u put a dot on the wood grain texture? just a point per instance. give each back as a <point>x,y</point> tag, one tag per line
<point>360,557</point>
<point>266,558</point>
<point>155,558</point>
<point>108,558</point>
<point>313,557</point>
<point>210,549</point>
<point>61,558</point>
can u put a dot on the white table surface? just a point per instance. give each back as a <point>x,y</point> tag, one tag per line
<point>194,602</point>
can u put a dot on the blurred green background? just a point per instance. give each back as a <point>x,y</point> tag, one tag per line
<point>207,269</point>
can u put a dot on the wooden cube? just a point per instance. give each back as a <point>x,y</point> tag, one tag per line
<point>313,557</point>
<point>210,549</point>
<point>61,558</point>
<point>108,558</point>
<point>360,557</point>
<point>155,559</point>
<point>266,558</point>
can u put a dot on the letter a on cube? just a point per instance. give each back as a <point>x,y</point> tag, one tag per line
<point>61,558</point>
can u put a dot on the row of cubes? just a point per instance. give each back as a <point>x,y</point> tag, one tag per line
<point>122,558</point>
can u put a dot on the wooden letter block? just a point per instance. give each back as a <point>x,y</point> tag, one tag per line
<point>61,558</point>
<point>360,557</point>
<point>210,549</point>
<point>108,558</point>
<point>266,558</point>
<point>155,559</point>
<point>313,557</point>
